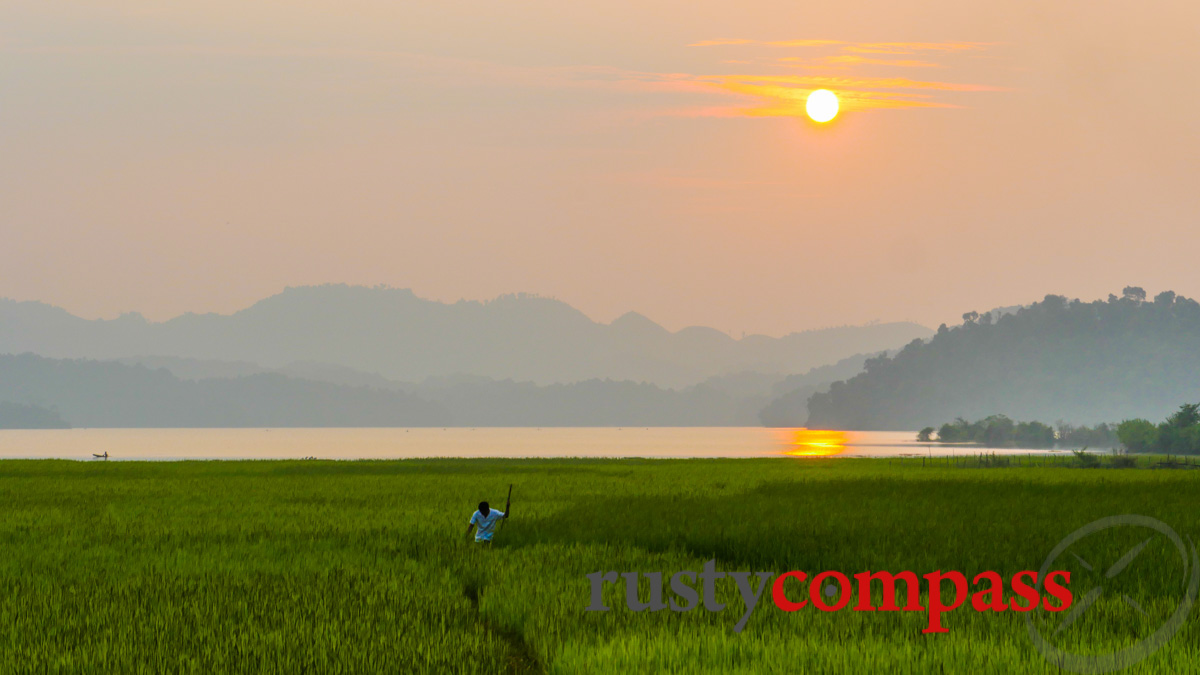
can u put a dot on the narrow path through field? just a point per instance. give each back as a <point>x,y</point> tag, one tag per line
<point>522,659</point>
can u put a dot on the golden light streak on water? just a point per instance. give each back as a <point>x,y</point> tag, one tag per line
<point>815,442</point>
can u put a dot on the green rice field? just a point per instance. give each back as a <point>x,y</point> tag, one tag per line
<point>362,566</point>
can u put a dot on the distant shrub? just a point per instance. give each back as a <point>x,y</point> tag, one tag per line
<point>957,431</point>
<point>1178,434</point>
<point>1137,435</point>
<point>1122,462</point>
<point>1099,436</point>
<point>998,431</point>
<point>1034,435</point>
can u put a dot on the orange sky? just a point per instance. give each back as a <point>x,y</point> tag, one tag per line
<point>196,156</point>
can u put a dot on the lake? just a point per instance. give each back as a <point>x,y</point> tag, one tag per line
<point>390,443</point>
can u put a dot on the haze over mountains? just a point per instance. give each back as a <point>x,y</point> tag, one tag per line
<point>396,335</point>
<point>53,393</point>
<point>354,356</point>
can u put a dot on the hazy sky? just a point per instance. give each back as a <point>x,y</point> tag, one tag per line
<point>173,156</point>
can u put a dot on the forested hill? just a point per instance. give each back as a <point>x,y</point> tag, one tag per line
<point>1058,359</point>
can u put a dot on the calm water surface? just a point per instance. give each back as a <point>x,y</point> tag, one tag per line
<point>664,442</point>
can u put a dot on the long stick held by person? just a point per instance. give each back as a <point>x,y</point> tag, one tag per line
<point>486,519</point>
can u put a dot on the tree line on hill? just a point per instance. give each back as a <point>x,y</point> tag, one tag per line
<point>1088,362</point>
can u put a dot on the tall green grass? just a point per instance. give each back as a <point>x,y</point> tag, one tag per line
<point>363,567</point>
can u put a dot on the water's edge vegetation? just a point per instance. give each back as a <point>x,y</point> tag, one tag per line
<point>1178,434</point>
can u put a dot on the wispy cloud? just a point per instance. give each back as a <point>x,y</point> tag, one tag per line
<point>768,43</point>
<point>913,47</point>
<point>830,82</point>
<point>786,96</point>
<point>862,47</point>
<point>836,65</point>
<point>847,60</point>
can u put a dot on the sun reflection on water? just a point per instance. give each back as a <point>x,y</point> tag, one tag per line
<point>814,442</point>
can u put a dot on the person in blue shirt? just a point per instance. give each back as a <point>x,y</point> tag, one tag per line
<point>485,519</point>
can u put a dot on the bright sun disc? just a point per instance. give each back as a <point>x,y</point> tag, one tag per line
<point>822,105</point>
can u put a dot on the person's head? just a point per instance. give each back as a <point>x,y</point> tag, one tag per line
<point>484,508</point>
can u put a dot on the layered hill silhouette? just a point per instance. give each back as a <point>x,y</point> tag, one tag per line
<point>37,392</point>
<point>396,335</point>
<point>1058,359</point>
<point>24,416</point>
<point>110,394</point>
<point>788,405</point>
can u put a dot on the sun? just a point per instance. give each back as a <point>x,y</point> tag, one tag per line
<point>822,105</point>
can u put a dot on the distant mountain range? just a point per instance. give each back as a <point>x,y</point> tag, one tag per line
<point>37,392</point>
<point>353,356</point>
<point>393,335</point>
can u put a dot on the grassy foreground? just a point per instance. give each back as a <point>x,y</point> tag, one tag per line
<point>313,566</point>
